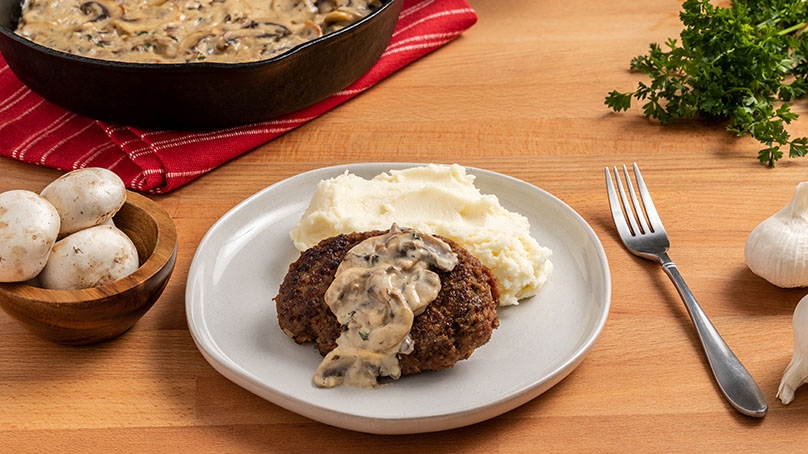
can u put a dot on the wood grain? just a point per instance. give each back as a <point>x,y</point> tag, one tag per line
<point>520,93</point>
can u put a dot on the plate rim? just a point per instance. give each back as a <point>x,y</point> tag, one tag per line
<point>224,365</point>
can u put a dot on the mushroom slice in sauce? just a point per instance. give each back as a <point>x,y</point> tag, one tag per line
<point>379,288</point>
<point>340,16</point>
<point>100,9</point>
<point>293,9</point>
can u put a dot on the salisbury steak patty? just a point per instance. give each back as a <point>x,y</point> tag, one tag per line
<point>459,320</point>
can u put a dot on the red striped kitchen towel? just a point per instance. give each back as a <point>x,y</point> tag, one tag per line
<point>34,131</point>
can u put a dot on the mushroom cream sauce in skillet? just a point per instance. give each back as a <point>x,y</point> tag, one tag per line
<point>184,31</point>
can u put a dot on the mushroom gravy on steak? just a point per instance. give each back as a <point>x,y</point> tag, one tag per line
<point>460,319</point>
<point>184,31</point>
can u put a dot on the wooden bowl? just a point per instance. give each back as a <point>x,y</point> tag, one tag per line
<point>87,316</point>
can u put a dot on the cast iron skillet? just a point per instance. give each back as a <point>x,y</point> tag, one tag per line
<point>198,95</point>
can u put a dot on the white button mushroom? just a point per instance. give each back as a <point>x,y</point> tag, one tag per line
<point>85,198</point>
<point>29,226</point>
<point>89,258</point>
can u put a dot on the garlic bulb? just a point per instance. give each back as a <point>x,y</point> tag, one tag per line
<point>777,249</point>
<point>797,371</point>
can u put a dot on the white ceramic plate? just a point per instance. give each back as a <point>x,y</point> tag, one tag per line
<point>243,258</point>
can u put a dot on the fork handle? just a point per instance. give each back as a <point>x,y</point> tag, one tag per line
<point>738,386</point>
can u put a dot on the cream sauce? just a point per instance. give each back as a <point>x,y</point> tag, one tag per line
<point>184,31</point>
<point>380,286</point>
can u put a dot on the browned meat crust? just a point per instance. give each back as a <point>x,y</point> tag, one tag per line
<point>459,320</point>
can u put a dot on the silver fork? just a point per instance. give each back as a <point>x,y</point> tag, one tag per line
<point>641,231</point>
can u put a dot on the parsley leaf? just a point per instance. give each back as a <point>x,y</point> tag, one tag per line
<point>741,64</point>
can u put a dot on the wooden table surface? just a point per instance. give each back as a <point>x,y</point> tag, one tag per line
<point>520,93</point>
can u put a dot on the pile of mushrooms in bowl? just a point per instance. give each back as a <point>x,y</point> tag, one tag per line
<point>84,259</point>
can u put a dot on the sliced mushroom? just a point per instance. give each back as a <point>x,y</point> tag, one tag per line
<point>340,16</point>
<point>260,35</point>
<point>311,30</point>
<point>330,5</point>
<point>192,41</point>
<point>269,27</point>
<point>157,44</point>
<point>100,9</point>
<point>287,8</point>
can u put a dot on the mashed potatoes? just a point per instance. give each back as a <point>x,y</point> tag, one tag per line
<point>436,199</point>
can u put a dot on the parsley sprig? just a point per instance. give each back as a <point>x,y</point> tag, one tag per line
<point>742,64</point>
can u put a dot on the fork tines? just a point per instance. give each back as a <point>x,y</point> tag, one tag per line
<point>639,215</point>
